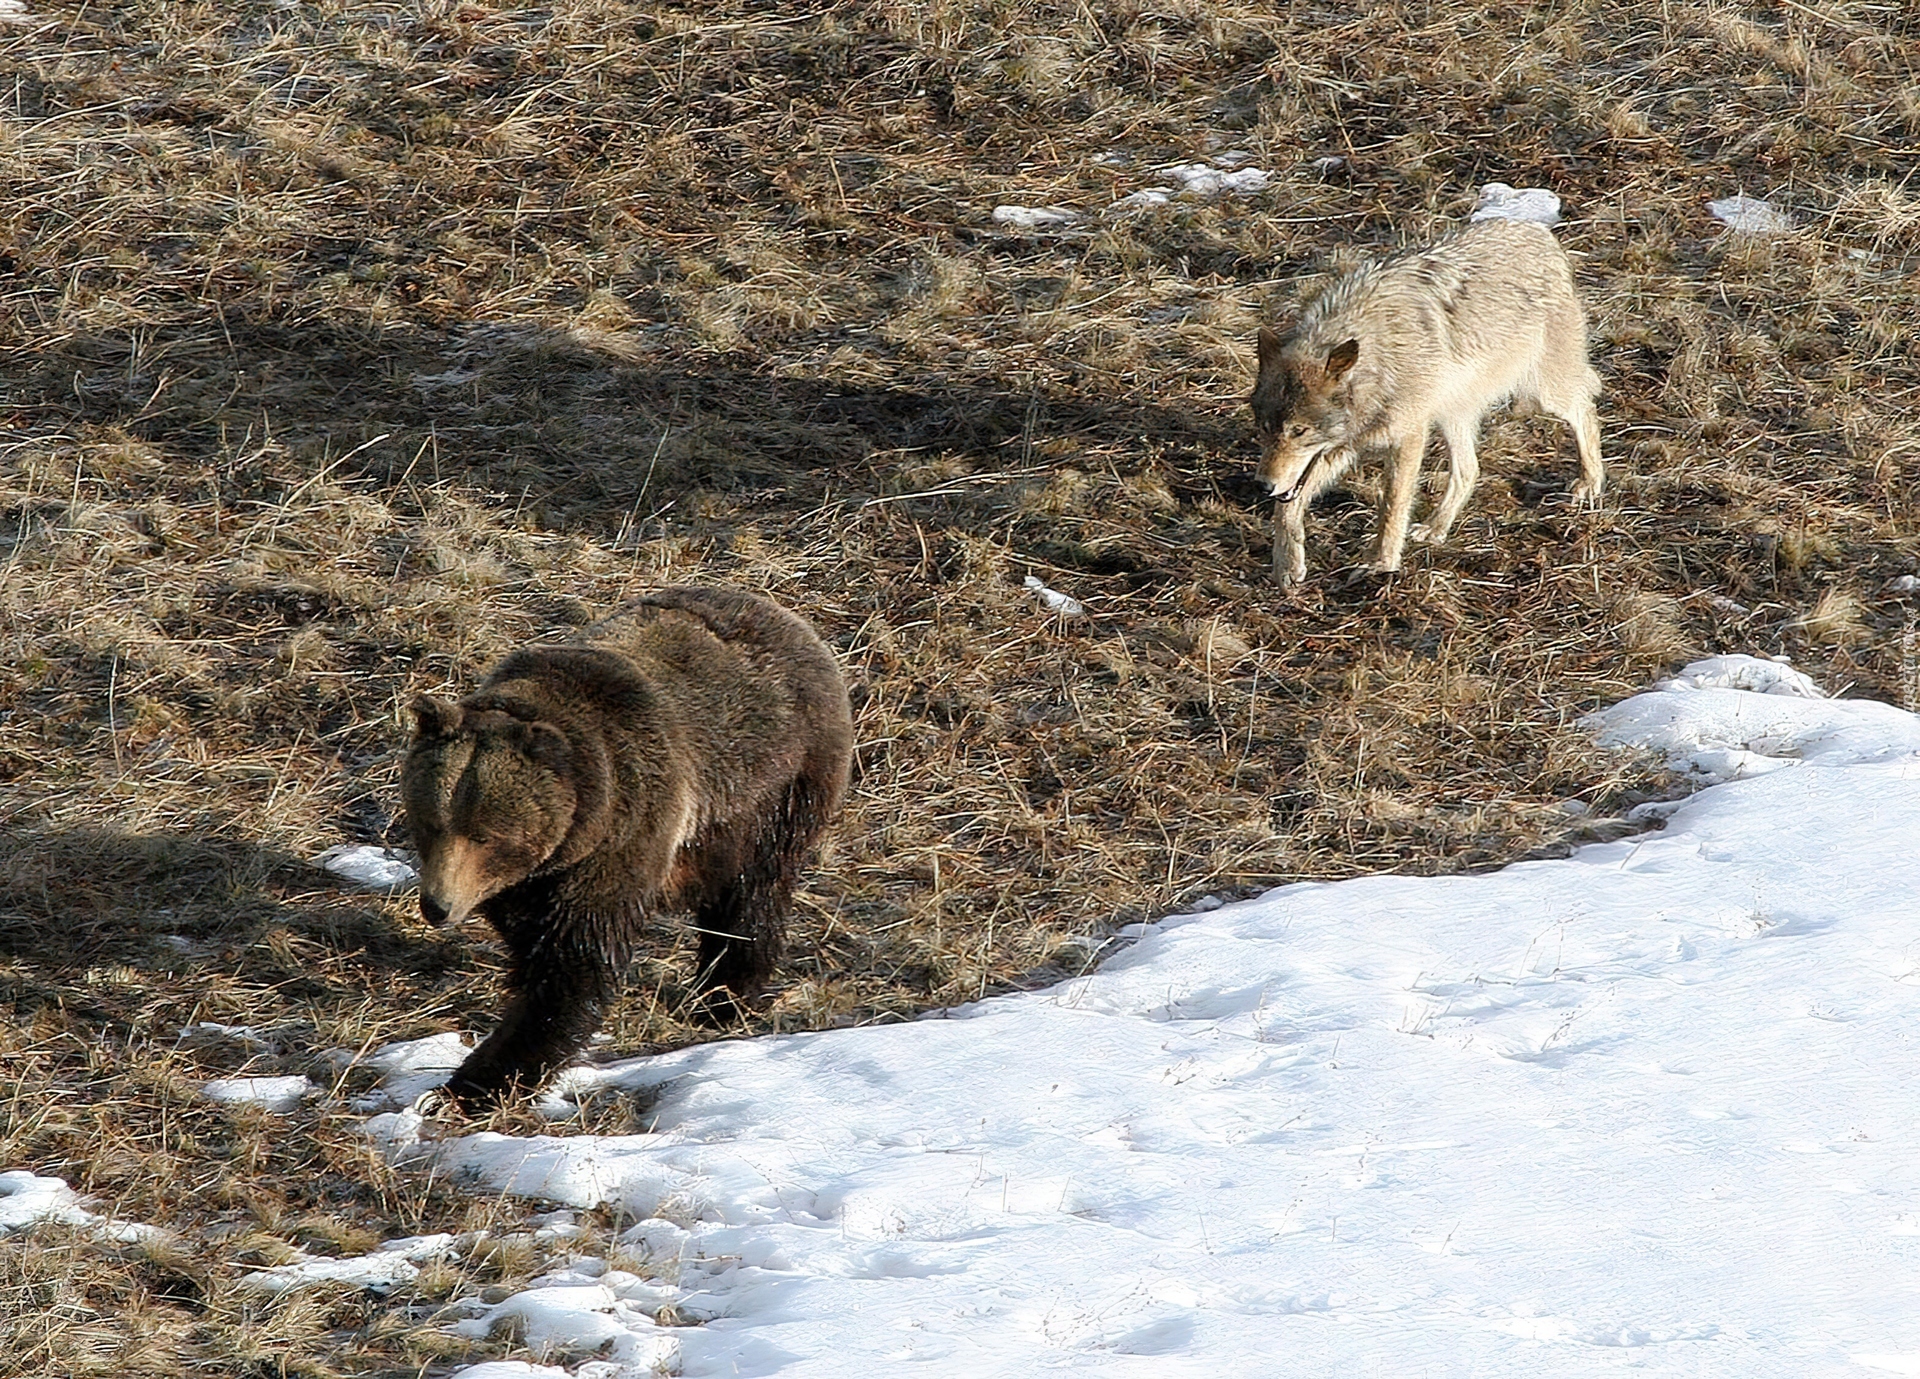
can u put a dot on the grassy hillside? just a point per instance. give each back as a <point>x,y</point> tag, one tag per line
<point>345,346</point>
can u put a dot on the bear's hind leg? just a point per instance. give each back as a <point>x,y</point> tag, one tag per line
<point>744,893</point>
<point>741,920</point>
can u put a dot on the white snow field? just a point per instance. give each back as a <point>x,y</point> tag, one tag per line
<point>1648,1108</point>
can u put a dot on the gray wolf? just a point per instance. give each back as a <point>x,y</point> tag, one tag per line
<point>1435,337</point>
<point>684,752</point>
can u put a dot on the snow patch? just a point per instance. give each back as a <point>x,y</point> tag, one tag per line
<point>434,1053</point>
<point>1201,179</point>
<point>27,1200</point>
<point>395,1263</point>
<point>397,1134</point>
<point>1747,216</point>
<point>1735,717</point>
<point>1648,1106</point>
<point>1035,217</point>
<point>1775,675</point>
<point>1057,602</point>
<point>1222,177</point>
<point>596,1310</point>
<point>272,1093</point>
<point>368,866</point>
<point>410,1070</point>
<point>1498,201</point>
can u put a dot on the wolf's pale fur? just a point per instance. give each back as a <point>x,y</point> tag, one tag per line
<point>1435,337</point>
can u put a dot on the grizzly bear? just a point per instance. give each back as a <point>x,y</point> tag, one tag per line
<point>683,752</point>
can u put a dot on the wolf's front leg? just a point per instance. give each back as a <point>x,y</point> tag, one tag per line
<point>1290,541</point>
<point>1396,502</point>
<point>1463,472</point>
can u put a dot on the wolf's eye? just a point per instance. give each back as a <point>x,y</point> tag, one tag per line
<point>1296,431</point>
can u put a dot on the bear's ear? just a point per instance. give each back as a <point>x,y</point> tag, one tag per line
<point>543,743</point>
<point>435,717</point>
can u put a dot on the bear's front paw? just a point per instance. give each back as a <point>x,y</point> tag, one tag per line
<point>476,1092</point>
<point>436,1101</point>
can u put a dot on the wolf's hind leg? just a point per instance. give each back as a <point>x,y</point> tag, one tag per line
<point>1585,421</point>
<point>1569,388</point>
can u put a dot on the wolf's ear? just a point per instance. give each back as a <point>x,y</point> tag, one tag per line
<point>435,717</point>
<point>1340,359</point>
<point>1267,343</point>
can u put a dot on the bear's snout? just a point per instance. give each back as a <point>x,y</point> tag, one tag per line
<point>432,911</point>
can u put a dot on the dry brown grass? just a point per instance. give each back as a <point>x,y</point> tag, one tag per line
<point>343,347</point>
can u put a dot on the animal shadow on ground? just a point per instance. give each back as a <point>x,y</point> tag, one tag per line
<point>95,921</point>
<point>581,427</point>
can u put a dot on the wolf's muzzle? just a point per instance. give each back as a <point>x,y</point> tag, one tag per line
<point>1298,484</point>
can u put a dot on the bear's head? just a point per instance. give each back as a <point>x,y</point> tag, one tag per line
<point>489,798</point>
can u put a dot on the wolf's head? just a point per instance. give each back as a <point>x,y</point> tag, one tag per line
<point>489,799</point>
<point>1299,409</point>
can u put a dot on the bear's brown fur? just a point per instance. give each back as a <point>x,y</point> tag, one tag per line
<point>683,752</point>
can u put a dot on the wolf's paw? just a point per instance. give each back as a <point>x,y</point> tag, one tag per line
<point>1286,574</point>
<point>1586,496</point>
<point>1370,578</point>
<point>1421,532</point>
